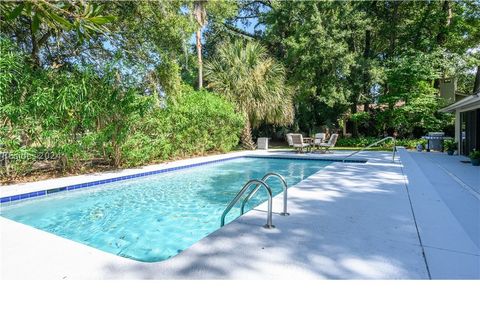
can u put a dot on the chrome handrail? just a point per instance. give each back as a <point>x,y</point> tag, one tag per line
<point>264,179</point>
<point>373,144</point>
<point>269,224</point>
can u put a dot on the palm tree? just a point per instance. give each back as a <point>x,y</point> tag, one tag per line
<point>245,74</point>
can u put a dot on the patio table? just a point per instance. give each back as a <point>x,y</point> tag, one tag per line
<point>310,141</point>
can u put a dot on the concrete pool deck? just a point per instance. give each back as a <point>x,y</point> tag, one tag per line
<point>348,221</point>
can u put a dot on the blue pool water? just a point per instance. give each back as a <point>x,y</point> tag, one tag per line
<point>156,217</point>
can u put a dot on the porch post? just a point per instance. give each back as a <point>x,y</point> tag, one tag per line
<point>457,130</point>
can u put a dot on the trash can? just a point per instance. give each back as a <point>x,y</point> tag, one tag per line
<point>262,143</point>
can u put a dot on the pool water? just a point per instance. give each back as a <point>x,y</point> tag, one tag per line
<point>156,217</point>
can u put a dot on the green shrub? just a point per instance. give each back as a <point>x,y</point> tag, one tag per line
<point>365,141</point>
<point>84,115</point>
<point>355,142</point>
<point>450,145</point>
<point>474,155</point>
<point>194,123</point>
<point>411,143</point>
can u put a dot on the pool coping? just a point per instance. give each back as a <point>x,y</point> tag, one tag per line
<point>70,184</point>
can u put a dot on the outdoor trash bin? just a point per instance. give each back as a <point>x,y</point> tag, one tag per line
<point>262,143</point>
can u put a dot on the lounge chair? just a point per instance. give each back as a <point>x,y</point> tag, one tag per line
<point>319,139</point>
<point>298,144</point>
<point>324,147</point>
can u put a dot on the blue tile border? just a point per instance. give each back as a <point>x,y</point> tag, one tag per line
<point>302,158</point>
<point>8,199</point>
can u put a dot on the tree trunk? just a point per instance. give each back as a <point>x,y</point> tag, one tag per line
<point>200,62</point>
<point>201,17</point>
<point>447,11</point>
<point>247,141</point>
<point>354,122</point>
<point>393,30</point>
<point>117,154</point>
<point>35,49</point>
<point>476,84</point>
<point>366,70</point>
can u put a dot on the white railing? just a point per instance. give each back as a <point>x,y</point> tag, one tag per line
<point>374,144</point>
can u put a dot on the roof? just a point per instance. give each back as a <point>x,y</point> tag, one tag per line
<point>468,102</point>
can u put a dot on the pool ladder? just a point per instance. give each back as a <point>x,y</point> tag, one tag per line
<point>259,183</point>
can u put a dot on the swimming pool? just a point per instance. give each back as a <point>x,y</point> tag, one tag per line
<point>156,217</point>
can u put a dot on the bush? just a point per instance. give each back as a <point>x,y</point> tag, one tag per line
<point>474,155</point>
<point>54,109</point>
<point>450,145</point>
<point>355,142</point>
<point>411,143</point>
<point>194,123</point>
<point>365,141</point>
<point>84,116</point>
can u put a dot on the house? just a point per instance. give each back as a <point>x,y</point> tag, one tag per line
<point>467,119</point>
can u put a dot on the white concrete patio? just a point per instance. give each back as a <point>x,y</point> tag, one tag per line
<point>445,195</point>
<point>348,221</point>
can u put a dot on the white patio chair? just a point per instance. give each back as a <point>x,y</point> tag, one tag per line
<point>298,144</point>
<point>289,139</point>
<point>324,147</point>
<point>319,139</point>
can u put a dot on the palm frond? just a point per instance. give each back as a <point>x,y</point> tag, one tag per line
<point>245,74</point>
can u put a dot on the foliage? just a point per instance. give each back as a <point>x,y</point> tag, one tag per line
<point>82,17</point>
<point>421,112</point>
<point>151,39</point>
<point>247,76</point>
<point>345,54</point>
<point>365,141</point>
<point>474,155</point>
<point>34,22</point>
<point>411,75</point>
<point>310,38</point>
<point>68,113</point>
<point>80,116</point>
<point>196,123</point>
<point>450,145</point>
<point>360,117</point>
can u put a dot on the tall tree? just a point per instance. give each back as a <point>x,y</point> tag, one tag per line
<point>208,15</point>
<point>34,22</point>
<point>152,40</point>
<point>245,74</point>
<point>476,84</point>
<point>311,39</point>
<point>201,18</point>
